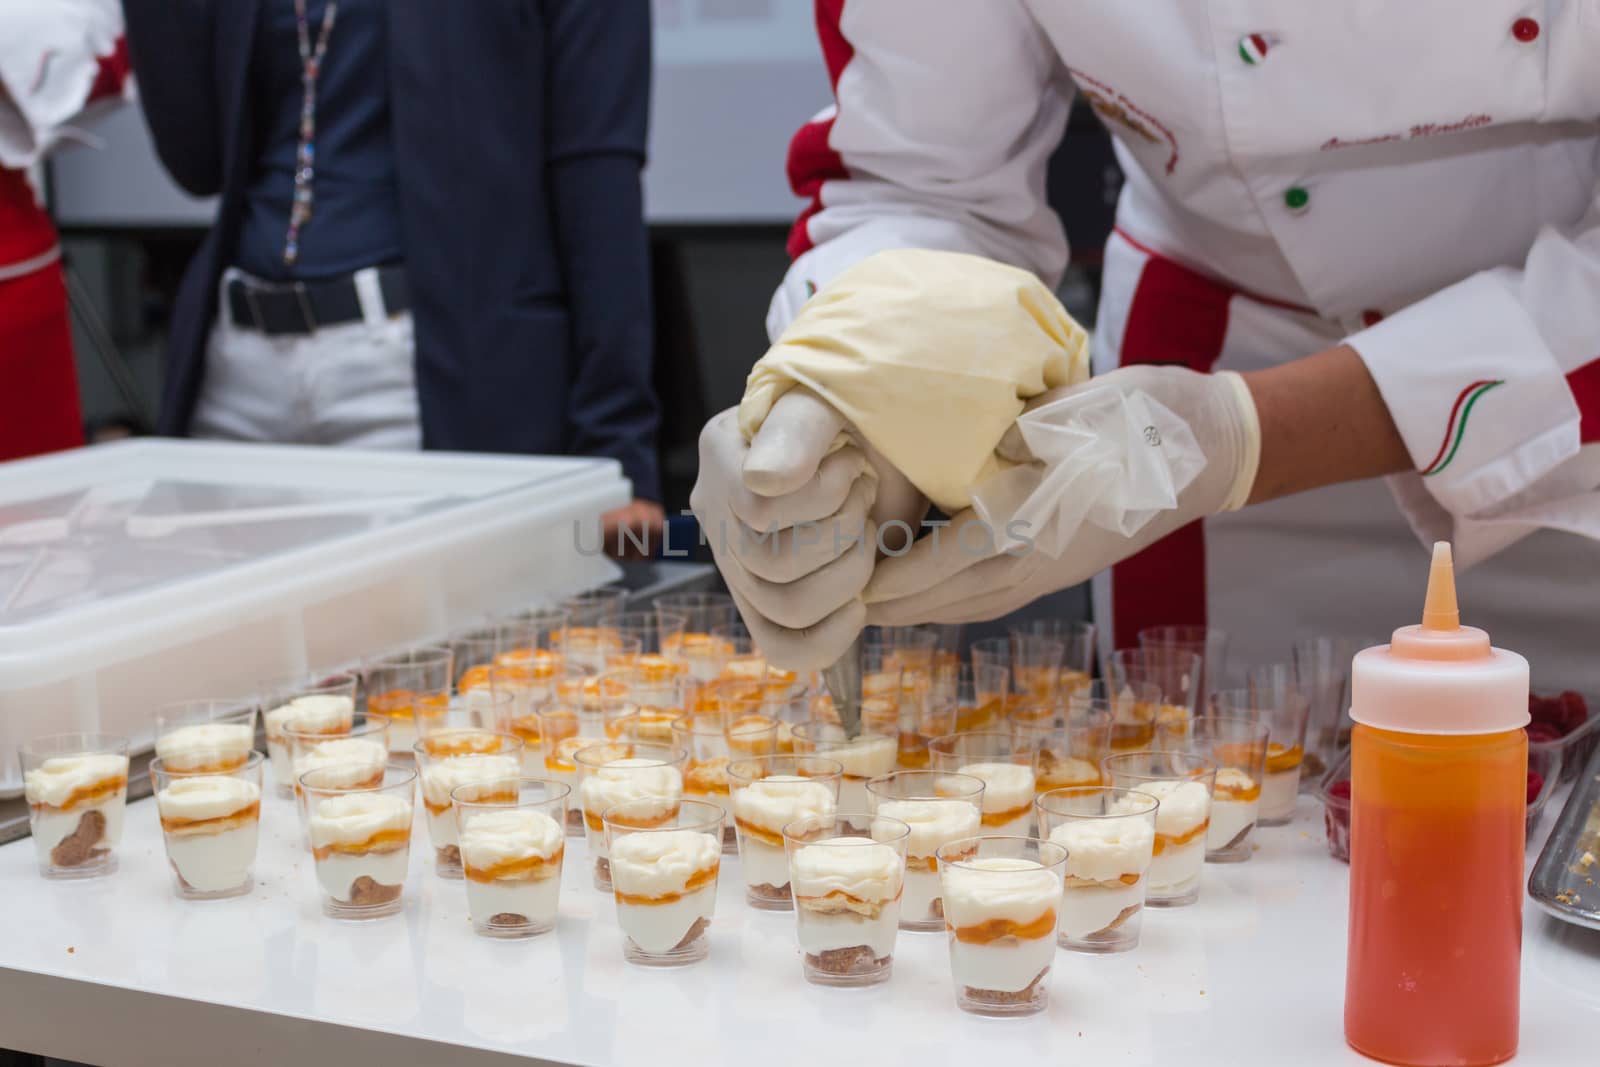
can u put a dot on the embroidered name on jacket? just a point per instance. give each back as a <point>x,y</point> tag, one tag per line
<point>1420,130</point>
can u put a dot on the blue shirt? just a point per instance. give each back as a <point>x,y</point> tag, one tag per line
<point>355,220</point>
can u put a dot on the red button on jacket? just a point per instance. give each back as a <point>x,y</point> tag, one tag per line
<point>1525,30</point>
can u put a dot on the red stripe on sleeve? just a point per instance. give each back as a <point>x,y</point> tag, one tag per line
<point>1585,385</point>
<point>1177,317</point>
<point>113,73</point>
<point>811,161</point>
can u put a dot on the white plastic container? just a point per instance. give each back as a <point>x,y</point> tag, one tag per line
<point>140,573</point>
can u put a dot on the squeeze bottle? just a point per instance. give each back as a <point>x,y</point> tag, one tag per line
<point>1438,794</point>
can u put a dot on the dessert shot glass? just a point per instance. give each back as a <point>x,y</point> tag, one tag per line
<point>1175,676</point>
<point>472,654</point>
<point>360,839</point>
<point>76,786</point>
<point>1284,711</point>
<point>327,705</point>
<point>210,824</point>
<point>664,880</point>
<point>563,730</point>
<point>1002,896</point>
<point>847,884</point>
<point>1182,782</point>
<point>360,753</point>
<point>206,735</point>
<point>408,687</point>
<point>871,754</point>
<point>1322,673</point>
<point>768,793</point>
<point>656,630</point>
<point>1007,766</point>
<point>694,645</point>
<point>1071,742</point>
<point>713,739</point>
<point>1077,640</point>
<point>739,659</point>
<point>612,773</point>
<point>449,759</point>
<point>1036,666</point>
<point>922,720</point>
<point>513,840</point>
<point>1110,837</point>
<point>938,807</point>
<point>1207,642</point>
<point>1238,747</point>
<point>982,692</point>
<point>592,606</point>
<point>531,636</point>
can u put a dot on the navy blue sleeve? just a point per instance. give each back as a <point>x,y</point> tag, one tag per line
<point>598,94</point>
<point>171,44</point>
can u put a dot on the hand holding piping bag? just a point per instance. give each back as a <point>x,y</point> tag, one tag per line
<point>792,518</point>
<point>1099,471</point>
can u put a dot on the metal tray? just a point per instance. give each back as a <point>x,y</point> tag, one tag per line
<point>1561,883</point>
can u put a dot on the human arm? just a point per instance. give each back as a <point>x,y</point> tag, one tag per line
<point>56,59</point>
<point>598,93</point>
<point>172,44</point>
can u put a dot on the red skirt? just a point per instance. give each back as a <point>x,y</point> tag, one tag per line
<point>39,409</point>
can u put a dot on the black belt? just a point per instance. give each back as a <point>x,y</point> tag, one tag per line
<point>306,307</point>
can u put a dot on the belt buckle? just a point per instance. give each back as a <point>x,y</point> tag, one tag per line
<point>259,323</point>
<point>305,307</point>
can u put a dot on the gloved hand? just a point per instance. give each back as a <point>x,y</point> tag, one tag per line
<point>793,524</point>
<point>971,579</point>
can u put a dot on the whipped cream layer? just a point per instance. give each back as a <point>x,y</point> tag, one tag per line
<point>66,781</point>
<point>1106,849</point>
<point>1185,805</point>
<point>847,871</point>
<point>316,714</point>
<point>496,839</point>
<point>358,760</point>
<point>214,744</point>
<point>661,863</point>
<point>999,890</point>
<point>769,804</point>
<point>933,822</point>
<point>632,780</point>
<point>867,756</point>
<point>440,777</point>
<point>205,798</point>
<point>357,819</point>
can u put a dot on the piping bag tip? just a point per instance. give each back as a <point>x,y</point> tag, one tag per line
<point>843,681</point>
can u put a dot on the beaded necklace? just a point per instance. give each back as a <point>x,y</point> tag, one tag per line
<point>306,153</point>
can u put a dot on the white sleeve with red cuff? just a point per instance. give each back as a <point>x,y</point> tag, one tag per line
<point>55,56</point>
<point>947,112</point>
<point>1494,384</point>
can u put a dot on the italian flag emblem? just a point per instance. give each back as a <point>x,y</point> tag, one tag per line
<point>1456,429</point>
<point>1253,48</point>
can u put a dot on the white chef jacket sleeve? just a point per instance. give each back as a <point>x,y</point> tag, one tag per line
<point>946,114</point>
<point>55,57</point>
<point>1494,384</point>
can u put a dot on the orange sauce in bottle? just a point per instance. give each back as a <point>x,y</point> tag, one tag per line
<point>1438,799</point>
<point>1436,861</point>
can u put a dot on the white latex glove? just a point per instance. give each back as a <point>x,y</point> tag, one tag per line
<point>794,526</point>
<point>965,581</point>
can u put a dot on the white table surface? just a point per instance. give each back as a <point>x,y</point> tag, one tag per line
<point>120,971</point>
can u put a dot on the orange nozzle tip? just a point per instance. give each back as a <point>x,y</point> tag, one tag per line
<point>1439,611</point>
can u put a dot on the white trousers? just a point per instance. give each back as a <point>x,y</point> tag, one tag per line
<point>353,384</point>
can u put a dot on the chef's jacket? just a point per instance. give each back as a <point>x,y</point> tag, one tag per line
<point>1416,180</point>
